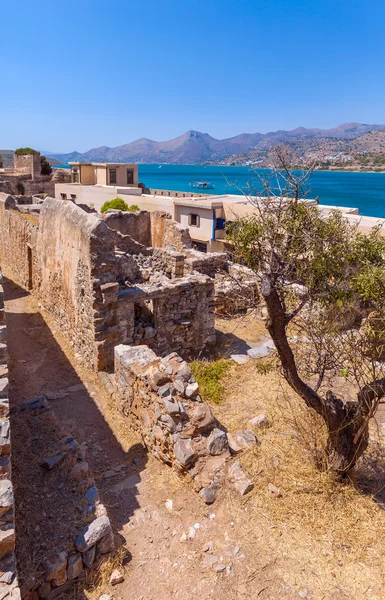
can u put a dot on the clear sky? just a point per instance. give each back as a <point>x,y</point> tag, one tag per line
<point>80,74</point>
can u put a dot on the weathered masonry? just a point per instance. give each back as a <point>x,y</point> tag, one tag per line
<point>78,267</point>
<point>135,299</point>
<point>106,284</point>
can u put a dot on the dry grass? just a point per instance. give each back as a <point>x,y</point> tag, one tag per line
<point>328,535</point>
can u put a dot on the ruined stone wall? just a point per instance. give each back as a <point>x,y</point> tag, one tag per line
<point>175,317</point>
<point>24,184</point>
<point>18,242</point>
<point>77,279</point>
<point>63,560</point>
<point>161,399</point>
<point>27,164</point>
<point>165,232</point>
<point>136,225</point>
<point>9,587</point>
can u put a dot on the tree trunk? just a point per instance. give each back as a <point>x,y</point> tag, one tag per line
<point>347,423</point>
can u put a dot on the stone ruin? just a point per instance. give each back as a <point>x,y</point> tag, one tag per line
<point>135,301</point>
<point>25,177</point>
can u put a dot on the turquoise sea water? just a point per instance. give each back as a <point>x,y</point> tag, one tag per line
<point>365,191</point>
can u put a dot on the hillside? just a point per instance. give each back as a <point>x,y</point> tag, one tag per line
<point>194,147</point>
<point>365,153</point>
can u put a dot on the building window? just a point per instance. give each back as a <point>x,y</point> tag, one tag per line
<point>63,196</point>
<point>219,223</point>
<point>130,176</point>
<point>193,220</point>
<point>75,175</point>
<point>200,246</point>
<point>112,176</point>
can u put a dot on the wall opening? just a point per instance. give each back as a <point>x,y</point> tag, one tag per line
<point>144,328</point>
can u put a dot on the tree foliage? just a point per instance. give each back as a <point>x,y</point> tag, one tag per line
<point>115,204</point>
<point>319,275</point>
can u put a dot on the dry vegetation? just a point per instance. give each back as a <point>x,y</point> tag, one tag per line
<point>329,536</point>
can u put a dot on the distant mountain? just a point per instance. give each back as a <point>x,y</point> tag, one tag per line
<point>63,159</point>
<point>194,147</point>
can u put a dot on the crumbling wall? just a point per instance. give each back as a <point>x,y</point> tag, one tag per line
<point>161,399</point>
<point>18,241</point>
<point>169,317</point>
<point>87,535</point>
<point>27,164</point>
<point>9,587</point>
<point>77,279</point>
<point>165,232</point>
<point>137,225</point>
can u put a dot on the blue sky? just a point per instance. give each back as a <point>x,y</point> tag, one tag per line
<point>80,74</point>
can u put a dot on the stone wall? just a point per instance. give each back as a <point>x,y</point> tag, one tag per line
<point>165,232</point>
<point>27,164</point>
<point>24,184</point>
<point>18,241</point>
<point>161,399</point>
<point>89,536</point>
<point>169,317</point>
<point>9,587</point>
<point>77,279</point>
<point>137,225</point>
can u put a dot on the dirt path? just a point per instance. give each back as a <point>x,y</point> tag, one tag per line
<point>133,486</point>
<point>260,547</point>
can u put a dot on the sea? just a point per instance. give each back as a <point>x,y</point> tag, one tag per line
<point>365,191</point>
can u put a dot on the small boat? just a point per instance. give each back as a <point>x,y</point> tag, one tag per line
<point>202,185</point>
<point>160,167</point>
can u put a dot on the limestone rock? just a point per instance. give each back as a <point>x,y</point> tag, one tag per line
<point>246,438</point>
<point>240,359</point>
<point>217,442</point>
<point>116,577</point>
<point>92,533</point>
<point>210,493</point>
<point>202,417</point>
<point>259,421</point>
<point>274,490</point>
<point>6,496</point>
<point>184,451</point>
<point>191,390</point>
<point>242,484</point>
<point>56,569</point>
<point>75,566</point>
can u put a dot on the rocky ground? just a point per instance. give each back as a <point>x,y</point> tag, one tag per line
<point>296,535</point>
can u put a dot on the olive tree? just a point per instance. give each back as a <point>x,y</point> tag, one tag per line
<point>321,277</point>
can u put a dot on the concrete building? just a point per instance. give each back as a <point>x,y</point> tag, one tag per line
<point>205,215</point>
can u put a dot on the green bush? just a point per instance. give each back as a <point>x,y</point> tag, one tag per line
<point>116,204</point>
<point>209,375</point>
<point>23,151</point>
<point>133,208</point>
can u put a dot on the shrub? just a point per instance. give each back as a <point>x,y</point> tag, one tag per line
<point>133,208</point>
<point>23,151</point>
<point>115,204</point>
<point>209,376</point>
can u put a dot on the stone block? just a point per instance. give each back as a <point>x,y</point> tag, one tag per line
<point>75,566</point>
<point>6,496</point>
<point>184,451</point>
<point>56,569</point>
<point>217,442</point>
<point>92,533</point>
<point>7,540</point>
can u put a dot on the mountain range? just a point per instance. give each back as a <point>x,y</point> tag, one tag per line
<point>194,147</point>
